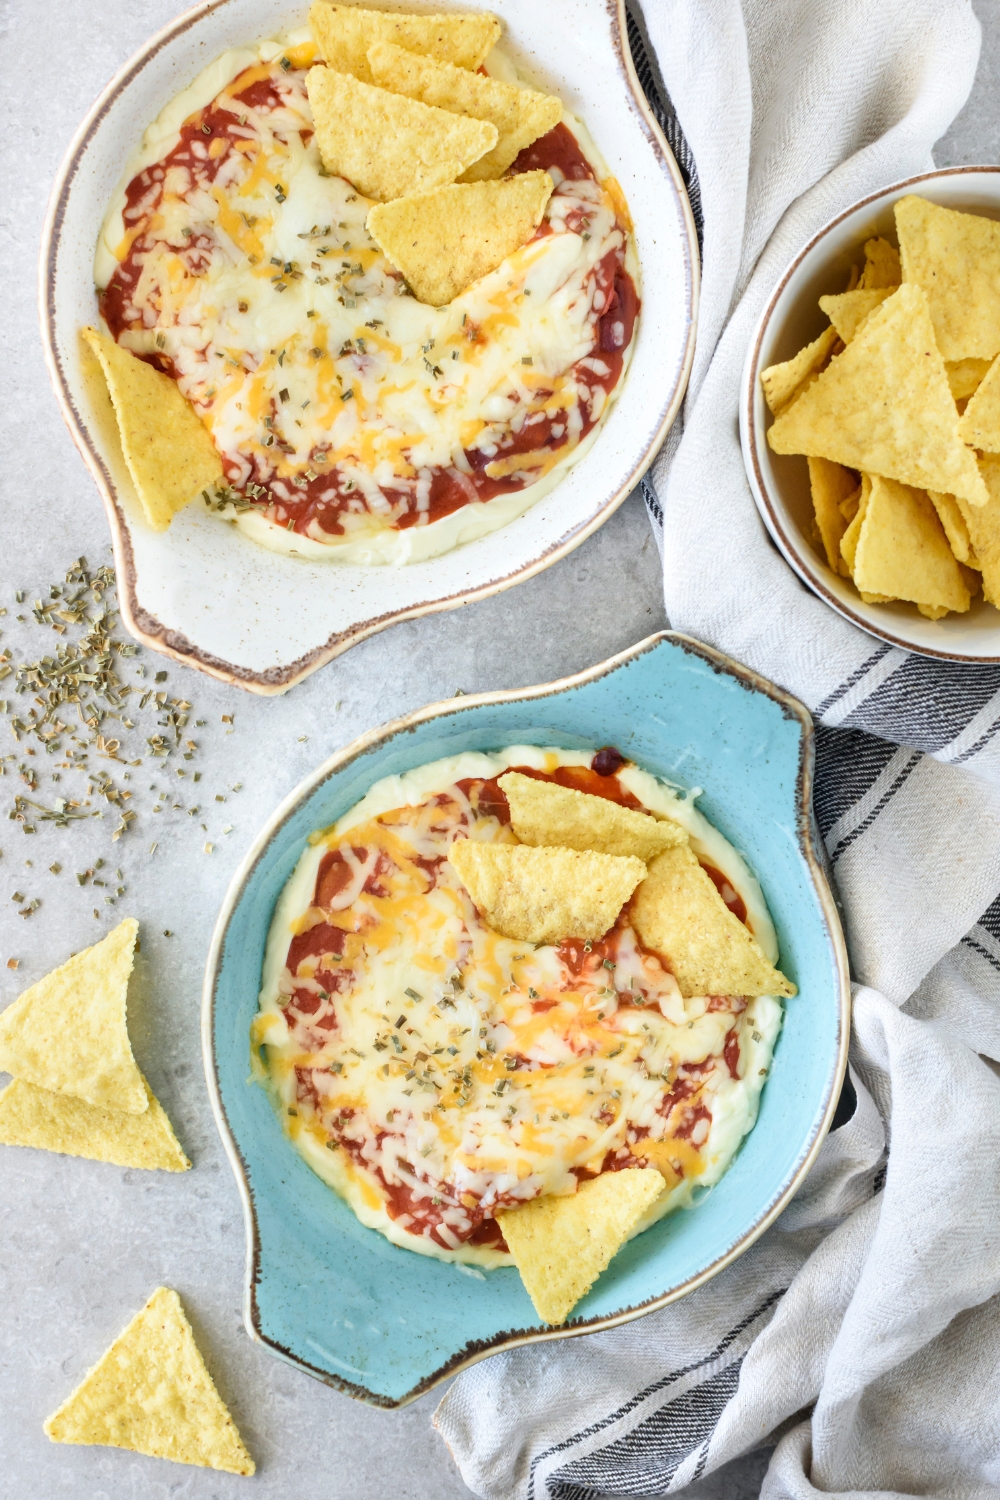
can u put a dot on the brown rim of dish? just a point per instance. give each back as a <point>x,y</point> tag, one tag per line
<point>812,850</point>
<point>792,549</point>
<point>139,621</point>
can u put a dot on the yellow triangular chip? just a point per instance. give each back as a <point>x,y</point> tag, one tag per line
<point>883,406</point>
<point>849,541</point>
<point>903,552</point>
<point>344,34</point>
<point>68,1032</point>
<point>955,258</point>
<point>561,1245</point>
<point>956,528</point>
<point>965,376</point>
<point>151,1393</point>
<point>830,485</point>
<point>782,382</point>
<point>442,241</point>
<point>882,266</point>
<point>983,522</point>
<point>848,310</point>
<point>678,912</point>
<point>169,453</point>
<point>544,813</point>
<point>387,145</point>
<point>30,1116</point>
<point>520,115</point>
<point>545,895</point>
<point>980,422</point>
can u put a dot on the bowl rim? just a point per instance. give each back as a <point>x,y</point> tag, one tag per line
<point>140,622</point>
<point>810,846</point>
<point>788,543</point>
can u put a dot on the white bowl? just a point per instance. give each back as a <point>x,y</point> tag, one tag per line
<point>780,484</point>
<point>208,596</point>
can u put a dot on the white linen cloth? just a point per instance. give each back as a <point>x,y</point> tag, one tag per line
<point>861,1335</point>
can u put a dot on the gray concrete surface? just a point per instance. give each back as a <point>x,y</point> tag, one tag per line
<point>84,1244</point>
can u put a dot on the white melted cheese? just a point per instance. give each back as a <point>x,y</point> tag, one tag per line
<point>412,1060</point>
<point>306,358</point>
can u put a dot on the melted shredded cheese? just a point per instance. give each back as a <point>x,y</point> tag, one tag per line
<point>434,1071</point>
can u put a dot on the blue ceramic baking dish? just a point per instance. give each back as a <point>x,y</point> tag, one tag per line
<point>383,1324</point>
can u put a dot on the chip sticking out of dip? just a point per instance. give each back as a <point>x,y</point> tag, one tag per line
<point>169,454</point>
<point>955,259</point>
<point>386,144</point>
<point>884,406</point>
<point>679,913</point>
<point>544,813</point>
<point>30,1116</point>
<point>443,241</point>
<point>520,115</point>
<point>151,1393</point>
<point>344,34</point>
<point>68,1033</point>
<point>545,895</point>
<point>561,1245</point>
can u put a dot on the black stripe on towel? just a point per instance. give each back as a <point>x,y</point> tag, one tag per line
<point>926,703</point>
<point>848,763</point>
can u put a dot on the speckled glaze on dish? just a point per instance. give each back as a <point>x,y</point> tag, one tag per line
<point>204,594</point>
<point>383,1324</point>
<point>780,482</point>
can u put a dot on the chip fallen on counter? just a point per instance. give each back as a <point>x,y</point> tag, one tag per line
<point>151,1393</point>
<point>545,895</point>
<point>561,1245</point>
<point>30,1116</point>
<point>544,813</point>
<point>955,258</point>
<point>444,240</point>
<point>387,145</point>
<point>168,450</point>
<point>344,33</point>
<point>520,115</point>
<point>884,406</point>
<point>68,1032</point>
<point>678,912</point>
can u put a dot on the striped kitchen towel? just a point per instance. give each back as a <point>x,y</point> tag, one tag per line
<point>861,1335</point>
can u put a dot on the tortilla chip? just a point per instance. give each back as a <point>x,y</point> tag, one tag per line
<point>956,527</point>
<point>831,486</point>
<point>344,34</point>
<point>955,258</point>
<point>781,382</point>
<point>387,145</point>
<point>561,1245</point>
<point>544,813</point>
<point>984,529</point>
<point>678,912</point>
<point>980,422</point>
<point>848,310</point>
<point>167,448</point>
<point>882,267</point>
<point>68,1033</point>
<point>30,1116</point>
<point>903,551</point>
<point>849,507</point>
<point>444,240</point>
<point>519,115</point>
<point>965,376</point>
<point>849,541</point>
<point>151,1393</point>
<point>545,895</point>
<point>883,406</point>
